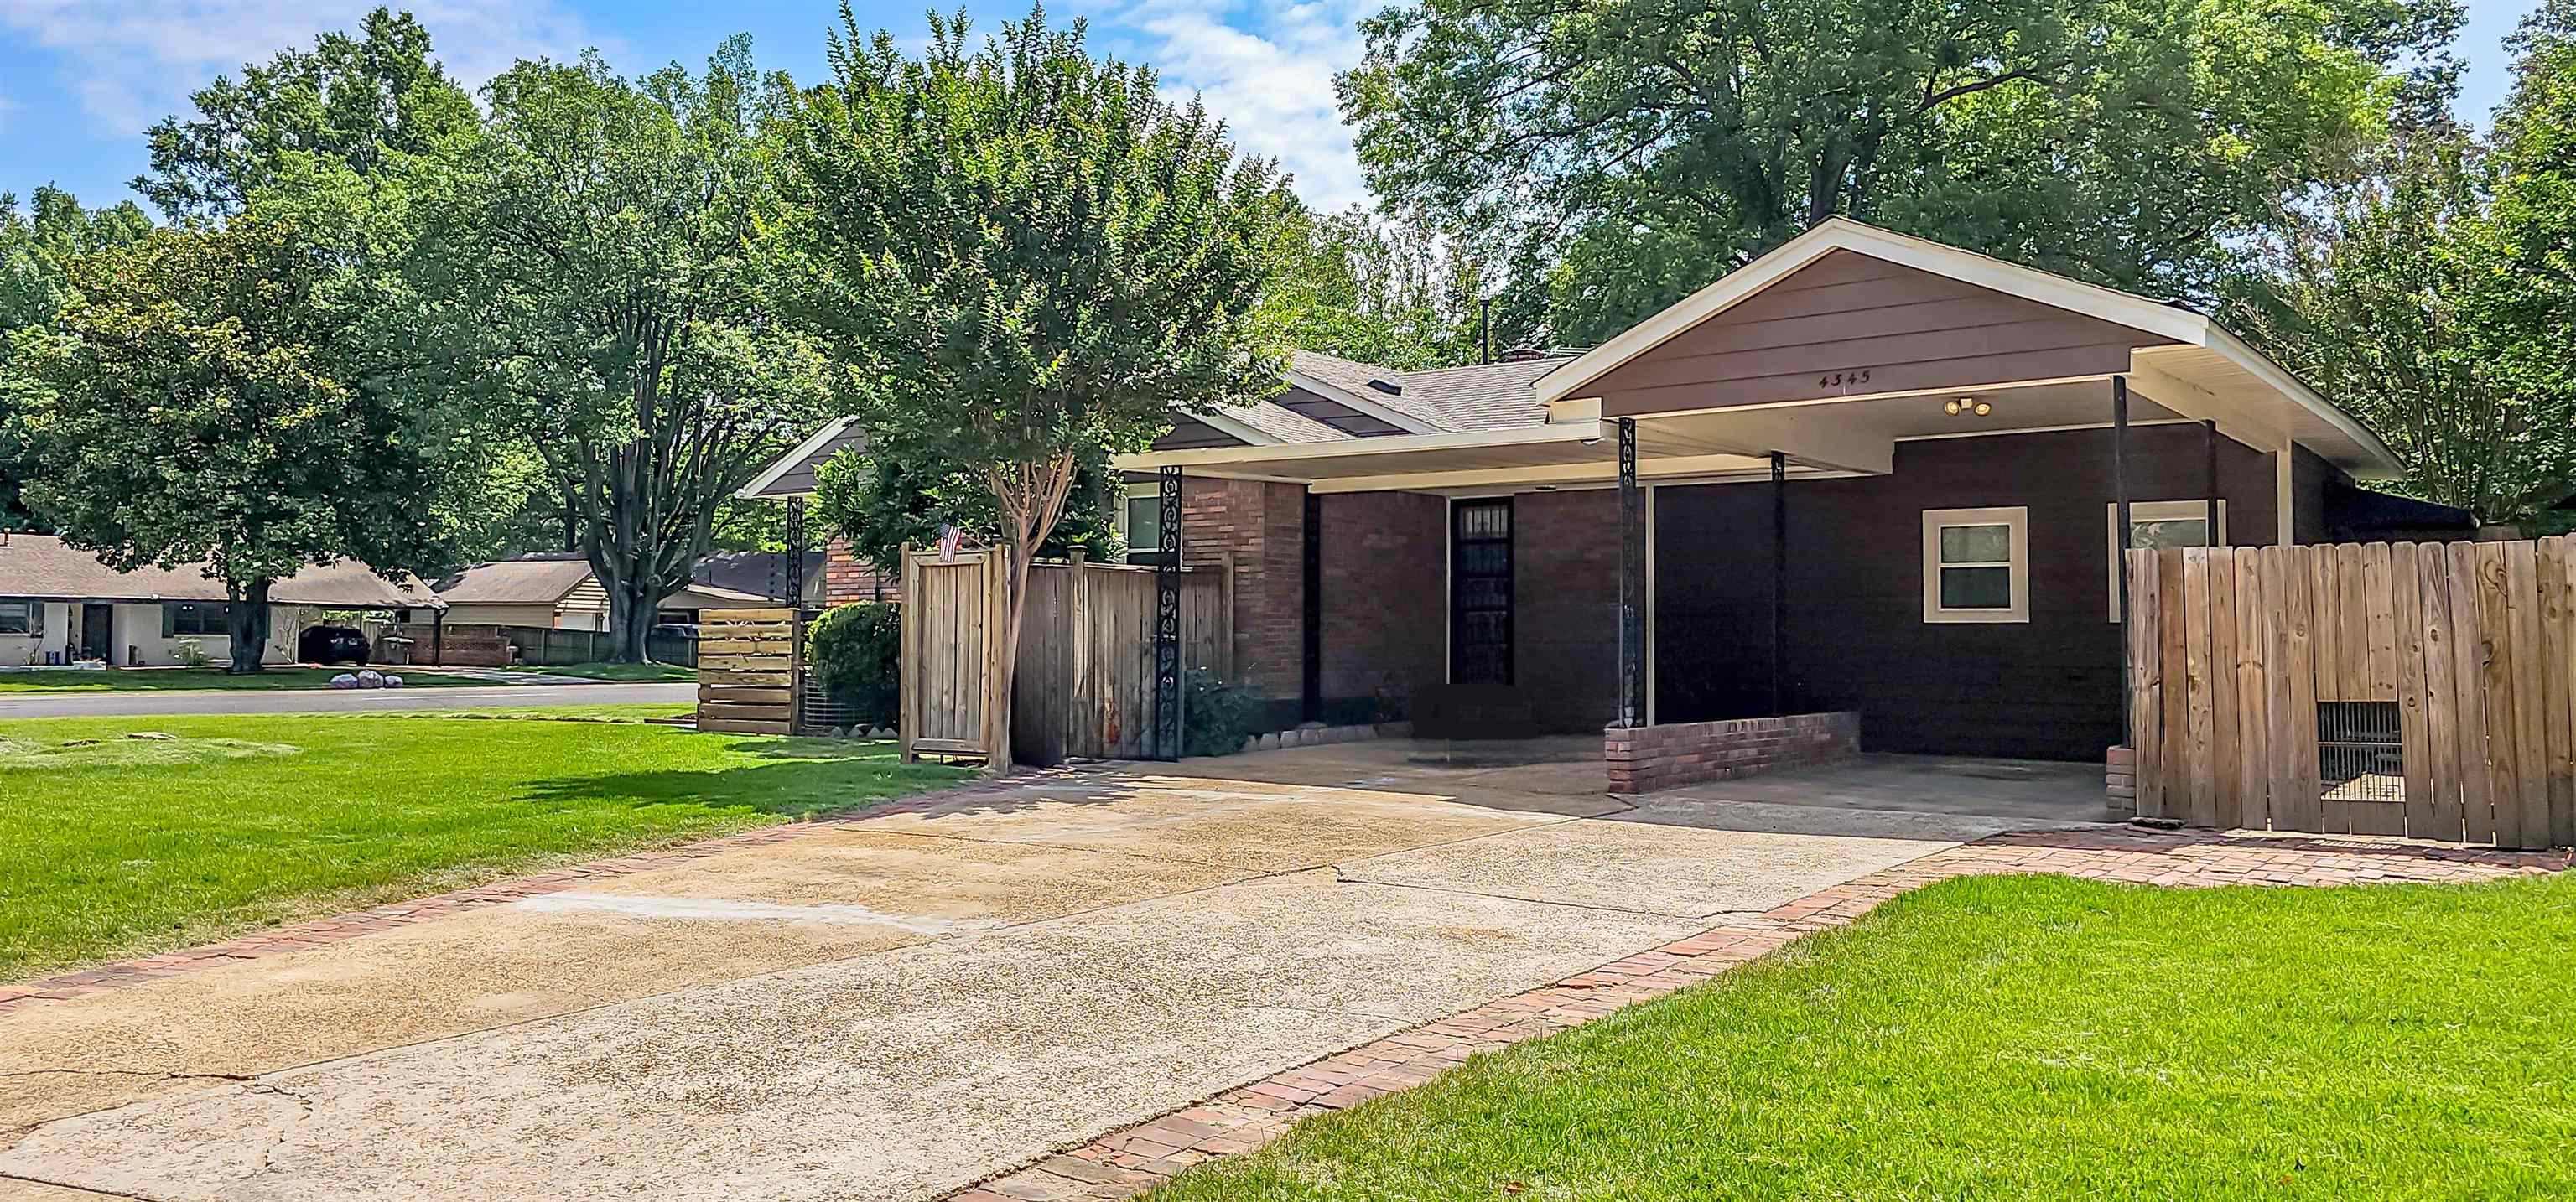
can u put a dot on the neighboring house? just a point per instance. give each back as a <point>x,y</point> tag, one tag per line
<point>1938,550</point>
<point>59,604</point>
<point>557,590</point>
<point>843,577</point>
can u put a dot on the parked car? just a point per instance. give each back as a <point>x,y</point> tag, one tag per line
<point>331,645</point>
<point>676,630</point>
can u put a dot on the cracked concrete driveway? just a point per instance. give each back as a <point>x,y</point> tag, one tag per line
<point>895,1008</point>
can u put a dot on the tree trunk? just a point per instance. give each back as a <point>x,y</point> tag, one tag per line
<point>1015,605</point>
<point>246,622</point>
<point>632,604</point>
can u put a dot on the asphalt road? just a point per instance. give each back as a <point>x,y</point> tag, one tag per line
<point>325,701</point>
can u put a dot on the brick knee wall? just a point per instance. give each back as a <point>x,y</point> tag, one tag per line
<point>2120,780</point>
<point>1647,758</point>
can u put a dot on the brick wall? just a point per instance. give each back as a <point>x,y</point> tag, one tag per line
<point>847,578</point>
<point>1648,758</point>
<point>1565,606</point>
<point>1264,526</point>
<point>1385,621</point>
<point>2120,780</point>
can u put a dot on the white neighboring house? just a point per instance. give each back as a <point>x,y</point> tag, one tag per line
<point>59,605</point>
<point>558,592</point>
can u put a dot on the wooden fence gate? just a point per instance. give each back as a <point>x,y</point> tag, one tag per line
<point>2426,690</point>
<point>747,660</point>
<point>1083,682</point>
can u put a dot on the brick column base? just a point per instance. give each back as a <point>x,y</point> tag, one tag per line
<point>1646,758</point>
<point>2120,780</point>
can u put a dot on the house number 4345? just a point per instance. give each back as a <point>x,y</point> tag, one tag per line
<point>1843,379</point>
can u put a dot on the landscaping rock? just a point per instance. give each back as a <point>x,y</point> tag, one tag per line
<point>392,681</point>
<point>344,681</point>
<point>369,678</point>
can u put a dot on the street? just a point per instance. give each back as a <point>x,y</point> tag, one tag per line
<point>298,701</point>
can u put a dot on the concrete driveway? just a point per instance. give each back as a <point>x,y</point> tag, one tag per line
<point>328,701</point>
<point>898,1007</point>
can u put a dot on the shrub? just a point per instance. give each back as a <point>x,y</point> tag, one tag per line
<point>855,650</point>
<point>191,653</point>
<point>1217,718</point>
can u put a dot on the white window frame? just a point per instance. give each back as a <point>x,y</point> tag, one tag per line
<point>1118,518</point>
<point>2151,511</point>
<point>2016,519</point>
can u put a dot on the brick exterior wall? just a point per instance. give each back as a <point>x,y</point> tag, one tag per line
<point>2120,781</point>
<point>1647,758</point>
<point>1264,526</point>
<point>1565,607</point>
<point>1385,600</point>
<point>847,578</point>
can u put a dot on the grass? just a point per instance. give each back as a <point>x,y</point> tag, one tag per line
<point>608,671</point>
<point>154,680</point>
<point>2027,1037</point>
<point>112,846</point>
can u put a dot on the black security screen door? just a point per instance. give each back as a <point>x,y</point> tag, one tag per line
<point>1480,592</point>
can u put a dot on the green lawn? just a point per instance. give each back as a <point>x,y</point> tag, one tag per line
<point>606,671</point>
<point>111,846</point>
<point>129,680</point>
<point>2028,1037</point>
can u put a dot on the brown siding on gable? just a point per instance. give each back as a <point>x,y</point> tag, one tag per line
<point>1849,325</point>
<point>1190,434</point>
<point>1856,639</point>
<point>1335,414</point>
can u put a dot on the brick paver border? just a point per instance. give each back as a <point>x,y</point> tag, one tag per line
<point>354,924</point>
<point>1136,1159</point>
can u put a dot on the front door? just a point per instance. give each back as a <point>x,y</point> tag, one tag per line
<point>98,632</point>
<point>1480,592</point>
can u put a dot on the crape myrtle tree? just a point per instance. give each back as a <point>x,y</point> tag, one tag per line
<point>1024,257</point>
<point>878,504</point>
<point>221,395</point>
<point>1619,154</point>
<point>593,258</point>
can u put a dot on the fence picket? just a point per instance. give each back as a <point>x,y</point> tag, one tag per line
<point>2146,669</point>
<point>2441,695</point>
<point>2558,683</point>
<point>2522,649</point>
<point>2253,696</point>
<point>2414,738</point>
<point>2174,714</point>
<point>2469,678</point>
<point>2281,579</point>
<point>2227,800</point>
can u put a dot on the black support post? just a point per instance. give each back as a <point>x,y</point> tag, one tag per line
<point>1312,689</point>
<point>1779,576</point>
<point>795,565</point>
<point>1168,699</point>
<point>1632,582</point>
<point>2209,474</point>
<point>2120,498</point>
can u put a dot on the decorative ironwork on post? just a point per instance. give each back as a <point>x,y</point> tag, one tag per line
<point>1167,621</point>
<point>2120,500</point>
<point>1311,686</point>
<point>1632,582</point>
<point>1779,576</point>
<point>795,558</point>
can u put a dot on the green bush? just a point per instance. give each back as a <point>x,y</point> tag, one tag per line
<point>1217,718</point>
<point>855,650</point>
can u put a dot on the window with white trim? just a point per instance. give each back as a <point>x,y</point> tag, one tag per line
<point>1976,565</point>
<point>1140,522</point>
<point>2154,525</point>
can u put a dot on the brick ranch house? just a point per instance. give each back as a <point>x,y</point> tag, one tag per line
<point>1872,475</point>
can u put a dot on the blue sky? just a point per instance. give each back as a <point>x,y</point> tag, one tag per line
<point>81,79</point>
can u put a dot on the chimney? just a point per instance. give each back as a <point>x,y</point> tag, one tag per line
<point>1523,354</point>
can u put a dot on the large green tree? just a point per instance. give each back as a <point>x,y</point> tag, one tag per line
<point>592,263</point>
<point>215,395</point>
<point>357,101</point>
<point>37,246</point>
<point>1025,257</point>
<point>1634,150</point>
<point>1390,293</point>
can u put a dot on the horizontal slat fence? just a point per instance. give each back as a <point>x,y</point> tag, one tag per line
<point>2426,690</point>
<point>747,661</point>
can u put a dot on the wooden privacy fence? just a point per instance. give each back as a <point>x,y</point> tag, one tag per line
<point>2426,690</point>
<point>1084,678</point>
<point>747,660</point>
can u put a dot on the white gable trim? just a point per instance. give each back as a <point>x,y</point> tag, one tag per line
<point>1385,413</point>
<point>769,475</point>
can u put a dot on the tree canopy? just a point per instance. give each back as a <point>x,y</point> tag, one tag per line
<point>592,264</point>
<point>211,395</point>
<point>37,247</point>
<point>1626,152</point>
<point>1024,257</point>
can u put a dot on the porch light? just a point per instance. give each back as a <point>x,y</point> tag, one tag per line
<point>1966,405</point>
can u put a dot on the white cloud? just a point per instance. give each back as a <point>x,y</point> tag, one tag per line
<point>131,64</point>
<point>1269,74</point>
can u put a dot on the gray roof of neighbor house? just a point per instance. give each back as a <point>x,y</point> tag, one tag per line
<point>42,566</point>
<point>538,579</point>
<point>792,475</point>
<point>760,573</point>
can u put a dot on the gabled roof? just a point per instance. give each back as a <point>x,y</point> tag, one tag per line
<point>2204,351</point>
<point>1265,422</point>
<point>792,474</point>
<point>42,566</point>
<point>1364,387</point>
<point>1480,396</point>
<point>541,579</point>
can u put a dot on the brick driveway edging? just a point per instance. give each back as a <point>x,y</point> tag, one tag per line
<point>322,932</point>
<point>1138,1158</point>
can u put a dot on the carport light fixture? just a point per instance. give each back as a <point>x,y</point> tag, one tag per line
<point>1966,405</point>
